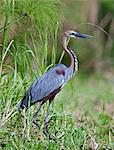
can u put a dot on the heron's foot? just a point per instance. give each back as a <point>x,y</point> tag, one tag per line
<point>47,134</point>
<point>35,122</point>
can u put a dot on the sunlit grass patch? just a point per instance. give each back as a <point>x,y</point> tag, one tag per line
<point>77,115</point>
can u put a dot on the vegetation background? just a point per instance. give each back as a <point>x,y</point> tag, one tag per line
<point>82,115</point>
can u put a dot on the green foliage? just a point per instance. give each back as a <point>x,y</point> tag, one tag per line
<point>81,124</point>
<point>38,24</point>
<point>107,6</point>
<point>38,16</point>
<point>80,119</point>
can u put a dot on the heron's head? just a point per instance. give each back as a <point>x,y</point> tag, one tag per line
<point>74,34</point>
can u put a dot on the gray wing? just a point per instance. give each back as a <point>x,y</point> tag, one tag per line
<point>46,84</point>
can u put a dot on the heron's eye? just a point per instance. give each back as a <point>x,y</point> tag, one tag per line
<point>74,34</point>
<point>71,33</point>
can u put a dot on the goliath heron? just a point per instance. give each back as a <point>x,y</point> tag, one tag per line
<point>51,82</point>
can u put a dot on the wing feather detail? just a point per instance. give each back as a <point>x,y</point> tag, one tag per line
<point>45,85</point>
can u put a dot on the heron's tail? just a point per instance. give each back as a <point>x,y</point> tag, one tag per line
<point>24,103</point>
<point>21,105</point>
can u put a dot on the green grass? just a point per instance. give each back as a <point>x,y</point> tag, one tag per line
<point>81,116</point>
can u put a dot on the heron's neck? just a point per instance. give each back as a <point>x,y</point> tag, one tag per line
<point>73,57</point>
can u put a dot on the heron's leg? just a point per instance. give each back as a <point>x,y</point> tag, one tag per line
<point>35,114</point>
<point>46,132</point>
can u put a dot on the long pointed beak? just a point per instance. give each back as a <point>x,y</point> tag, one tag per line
<point>83,35</point>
